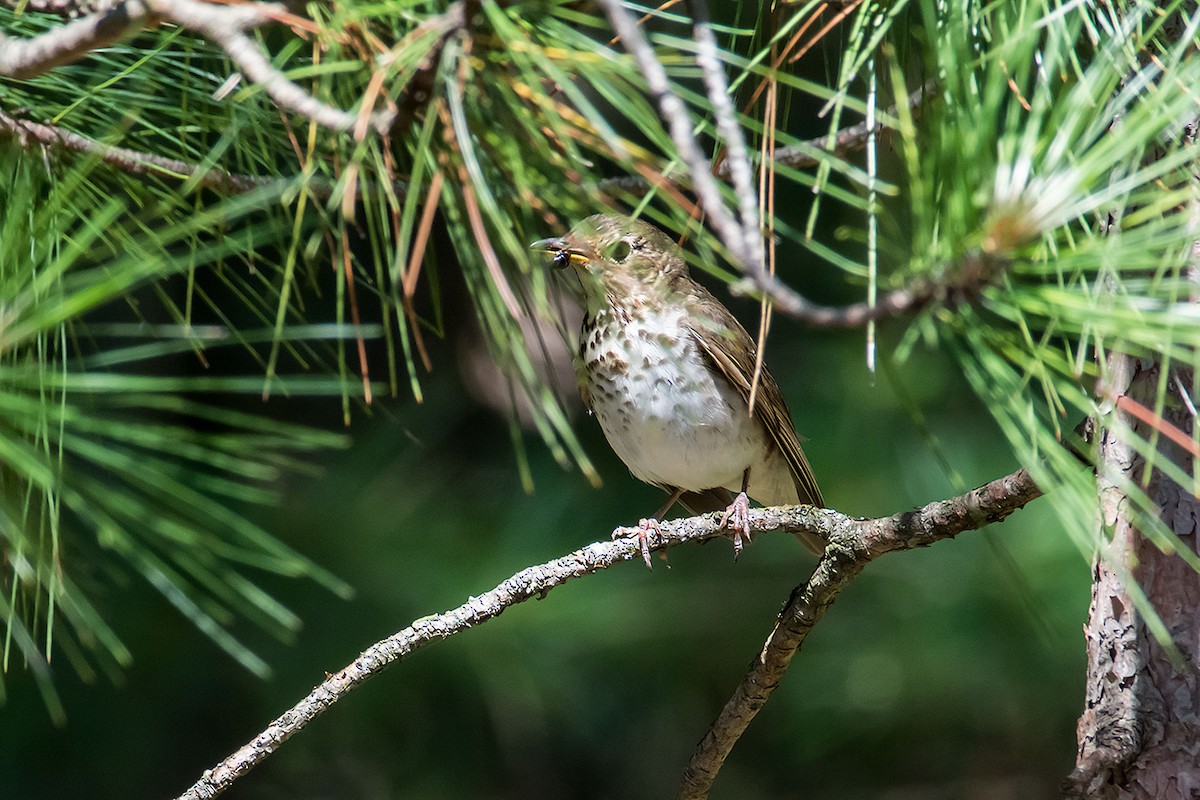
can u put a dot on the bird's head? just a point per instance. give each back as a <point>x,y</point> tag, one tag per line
<point>616,256</point>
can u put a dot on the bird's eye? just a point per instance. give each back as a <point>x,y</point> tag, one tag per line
<point>561,259</point>
<point>618,251</point>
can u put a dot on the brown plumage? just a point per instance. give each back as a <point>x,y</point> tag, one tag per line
<point>667,369</point>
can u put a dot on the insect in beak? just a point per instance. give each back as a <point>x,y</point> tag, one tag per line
<point>562,255</point>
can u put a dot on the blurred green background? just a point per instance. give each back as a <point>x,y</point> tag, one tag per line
<point>954,672</point>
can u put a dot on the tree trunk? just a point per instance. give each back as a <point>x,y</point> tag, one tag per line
<point>1139,735</point>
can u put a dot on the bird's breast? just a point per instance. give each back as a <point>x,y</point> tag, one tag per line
<point>664,410</point>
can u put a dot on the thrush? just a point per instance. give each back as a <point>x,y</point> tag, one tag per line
<point>668,372</point>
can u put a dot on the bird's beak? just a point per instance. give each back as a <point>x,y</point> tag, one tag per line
<point>562,254</point>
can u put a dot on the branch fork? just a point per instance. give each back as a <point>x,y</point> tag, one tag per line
<point>853,542</point>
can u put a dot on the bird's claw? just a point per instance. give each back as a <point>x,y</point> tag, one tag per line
<point>737,519</point>
<point>642,531</point>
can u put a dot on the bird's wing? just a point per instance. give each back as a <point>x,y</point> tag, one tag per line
<point>732,351</point>
<point>581,380</point>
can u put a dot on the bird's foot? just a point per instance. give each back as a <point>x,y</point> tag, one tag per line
<point>737,519</point>
<point>642,531</point>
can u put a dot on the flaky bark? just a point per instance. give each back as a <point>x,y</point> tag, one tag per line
<point>1139,735</point>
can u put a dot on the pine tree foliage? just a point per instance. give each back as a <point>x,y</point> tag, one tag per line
<point>1080,212</point>
<point>1040,182</point>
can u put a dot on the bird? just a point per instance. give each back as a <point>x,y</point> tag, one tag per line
<point>668,372</point>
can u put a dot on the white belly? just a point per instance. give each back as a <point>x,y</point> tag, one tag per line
<point>670,420</point>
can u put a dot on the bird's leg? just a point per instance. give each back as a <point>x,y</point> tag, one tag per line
<point>642,531</point>
<point>672,500</point>
<point>737,516</point>
<point>644,527</point>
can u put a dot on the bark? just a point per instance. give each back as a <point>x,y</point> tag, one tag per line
<point>1139,735</point>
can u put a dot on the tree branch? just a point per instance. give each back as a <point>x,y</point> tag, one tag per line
<point>744,241</point>
<point>215,24</point>
<point>223,25</point>
<point>846,141</point>
<point>854,542</point>
<point>963,282</point>
<point>135,162</point>
<point>27,58</point>
<point>63,8</point>
<point>977,270</point>
<point>30,133</point>
<point>737,163</point>
<point>744,249</point>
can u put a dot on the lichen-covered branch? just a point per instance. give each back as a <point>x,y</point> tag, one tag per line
<point>26,58</point>
<point>962,282</point>
<point>224,25</point>
<point>852,545</point>
<point>68,9</point>
<point>135,162</point>
<point>853,541</point>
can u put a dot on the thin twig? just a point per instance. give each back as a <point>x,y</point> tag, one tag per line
<point>743,249</point>
<point>846,141</point>
<point>30,133</point>
<point>744,254</point>
<point>737,157</point>
<point>852,540</point>
<point>963,281</point>
<point>976,271</point>
<point>219,24</point>
<point>852,545</point>
<point>851,139</point>
<point>855,315</point>
<point>894,303</point>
